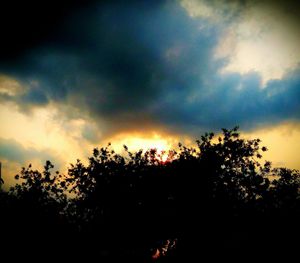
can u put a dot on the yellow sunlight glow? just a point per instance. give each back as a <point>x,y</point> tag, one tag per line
<point>144,141</point>
<point>282,142</point>
<point>40,131</point>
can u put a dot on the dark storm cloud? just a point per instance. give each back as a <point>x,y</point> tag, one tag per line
<point>237,100</point>
<point>28,24</point>
<point>35,96</point>
<point>127,62</point>
<point>114,61</point>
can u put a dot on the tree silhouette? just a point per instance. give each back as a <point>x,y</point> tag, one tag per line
<point>217,199</point>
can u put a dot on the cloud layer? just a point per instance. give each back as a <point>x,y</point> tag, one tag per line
<point>15,152</point>
<point>141,64</point>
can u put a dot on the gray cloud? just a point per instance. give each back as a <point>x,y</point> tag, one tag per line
<point>13,151</point>
<point>133,64</point>
<point>237,100</point>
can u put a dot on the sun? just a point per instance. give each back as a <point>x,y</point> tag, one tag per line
<point>135,142</point>
<point>161,146</point>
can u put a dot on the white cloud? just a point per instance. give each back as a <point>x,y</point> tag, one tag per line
<point>256,37</point>
<point>9,86</point>
<point>46,130</point>
<point>213,10</point>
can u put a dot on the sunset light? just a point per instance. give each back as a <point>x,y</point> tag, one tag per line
<point>140,131</point>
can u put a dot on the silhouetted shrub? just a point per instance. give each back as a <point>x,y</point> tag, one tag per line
<point>215,198</point>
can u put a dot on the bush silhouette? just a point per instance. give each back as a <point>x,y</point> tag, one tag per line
<point>215,200</point>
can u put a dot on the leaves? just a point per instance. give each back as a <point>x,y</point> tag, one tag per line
<point>138,196</point>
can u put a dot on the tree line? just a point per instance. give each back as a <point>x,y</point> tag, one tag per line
<point>216,200</point>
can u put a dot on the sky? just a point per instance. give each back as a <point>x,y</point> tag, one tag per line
<point>79,74</point>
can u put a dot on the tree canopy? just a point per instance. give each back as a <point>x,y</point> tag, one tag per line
<point>217,198</point>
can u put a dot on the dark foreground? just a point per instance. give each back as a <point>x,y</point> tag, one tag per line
<point>213,203</point>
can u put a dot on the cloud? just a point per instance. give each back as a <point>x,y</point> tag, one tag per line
<point>27,25</point>
<point>282,142</point>
<point>214,11</point>
<point>118,67</point>
<point>13,151</point>
<point>238,100</point>
<point>14,156</point>
<point>258,35</point>
<point>140,65</point>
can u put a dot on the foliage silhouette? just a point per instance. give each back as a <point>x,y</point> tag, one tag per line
<point>215,200</point>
